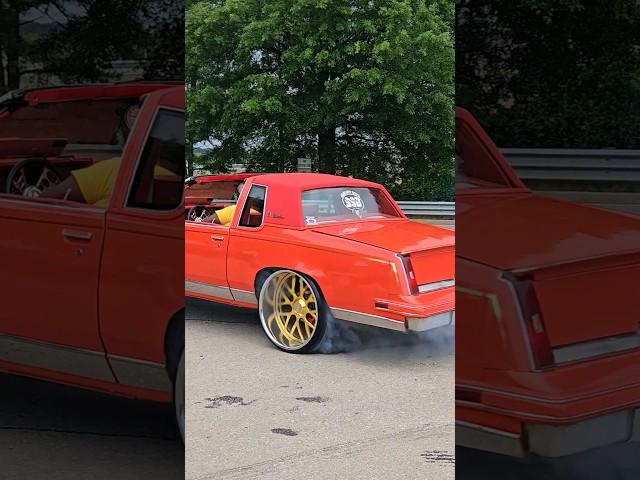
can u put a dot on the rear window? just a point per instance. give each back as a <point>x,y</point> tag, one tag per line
<point>94,122</point>
<point>475,166</point>
<point>224,191</point>
<point>339,204</point>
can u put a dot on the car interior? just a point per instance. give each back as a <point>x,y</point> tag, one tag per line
<point>56,138</point>
<point>44,143</point>
<point>204,199</point>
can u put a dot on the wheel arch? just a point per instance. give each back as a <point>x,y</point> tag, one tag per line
<point>264,273</point>
<point>174,342</point>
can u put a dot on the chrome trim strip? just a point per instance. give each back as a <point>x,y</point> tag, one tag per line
<point>140,373</point>
<point>368,319</point>
<point>58,358</point>
<point>430,287</point>
<point>595,348</point>
<point>208,289</point>
<point>244,296</point>
<point>429,323</point>
<point>542,400</point>
<point>488,439</point>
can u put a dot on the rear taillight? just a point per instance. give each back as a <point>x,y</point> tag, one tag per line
<point>533,321</point>
<point>410,274</point>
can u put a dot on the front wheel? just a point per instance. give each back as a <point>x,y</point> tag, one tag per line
<point>293,313</point>
<point>178,396</point>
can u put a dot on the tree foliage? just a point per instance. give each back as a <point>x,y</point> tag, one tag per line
<point>551,73</point>
<point>78,41</point>
<point>361,87</point>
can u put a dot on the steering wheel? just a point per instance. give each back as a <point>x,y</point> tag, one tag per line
<point>32,176</point>
<point>198,213</point>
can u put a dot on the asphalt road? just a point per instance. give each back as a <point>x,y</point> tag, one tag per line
<point>55,432</point>
<point>384,410</point>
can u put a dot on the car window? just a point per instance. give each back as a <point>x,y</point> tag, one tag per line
<point>159,179</point>
<point>336,204</point>
<point>211,191</point>
<point>475,166</point>
<point>253,210</point>
<point>94,122</point>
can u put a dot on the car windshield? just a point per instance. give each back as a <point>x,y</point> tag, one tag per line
<point>339,204</point>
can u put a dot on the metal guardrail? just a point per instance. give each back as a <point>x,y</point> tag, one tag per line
<point>607,165</point>
<point>429,209</point>
<point>598,177</point>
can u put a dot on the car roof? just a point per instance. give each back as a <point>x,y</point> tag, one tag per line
<point>310,181</point>
<point>284,193</point>
<point>95,91</point>
<point>230,177</point>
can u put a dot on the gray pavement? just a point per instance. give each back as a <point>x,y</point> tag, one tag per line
<point>384,410</point>
<point>55,432</point>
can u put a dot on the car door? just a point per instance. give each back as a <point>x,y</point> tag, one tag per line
<point>142,272</point>
<point>50,253</point>
<point>205,258</point>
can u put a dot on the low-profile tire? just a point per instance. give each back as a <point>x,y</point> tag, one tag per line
<point>178,397</point>
<point>293,312</point>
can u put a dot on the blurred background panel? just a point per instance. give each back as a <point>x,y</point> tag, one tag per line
<point>548,228</point>
<point>91,238</point>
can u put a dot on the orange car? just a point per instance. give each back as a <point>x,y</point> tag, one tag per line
<point>307,248</point>
<point>547,339</point>
<point>91,295</point>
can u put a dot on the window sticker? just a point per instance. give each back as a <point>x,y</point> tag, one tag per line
<point>352,201</point>
<point>310,220</point>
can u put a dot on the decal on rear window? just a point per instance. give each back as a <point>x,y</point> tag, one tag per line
<point>352,201</point>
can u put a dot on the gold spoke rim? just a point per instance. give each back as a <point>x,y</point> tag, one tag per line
<point>289,310</point>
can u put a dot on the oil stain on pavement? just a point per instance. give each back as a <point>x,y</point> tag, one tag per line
<point>227,400</point>
<point>284,431</point>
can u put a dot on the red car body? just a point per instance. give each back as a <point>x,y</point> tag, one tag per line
<point>381,270</point>
<point>89,295</point>
<point>547,339</point>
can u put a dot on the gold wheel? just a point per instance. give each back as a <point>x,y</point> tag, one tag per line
<point>288,310</point>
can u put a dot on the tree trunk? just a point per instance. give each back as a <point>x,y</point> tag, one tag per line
<point>189,158</point>
<point>327,151</point>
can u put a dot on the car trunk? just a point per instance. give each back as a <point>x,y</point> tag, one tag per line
<point>400,236</point>
<point>575,270</point>
<point>430,249</point>
<point>592,309</point>
<point>434,265</point>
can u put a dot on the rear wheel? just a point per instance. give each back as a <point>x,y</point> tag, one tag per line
<point>293,313</point>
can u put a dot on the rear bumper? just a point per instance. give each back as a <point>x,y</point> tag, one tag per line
<point>406,324</point>
<point>406,313</point>
<point>554,440</point>
<point>429,323</point>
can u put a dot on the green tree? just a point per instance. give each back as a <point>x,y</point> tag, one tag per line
<point>77,41</point>
<point>361,87</point>
<point>549,73</point>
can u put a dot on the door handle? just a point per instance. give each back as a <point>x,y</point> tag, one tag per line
<point>217,238</point>
<point>77,235</point>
